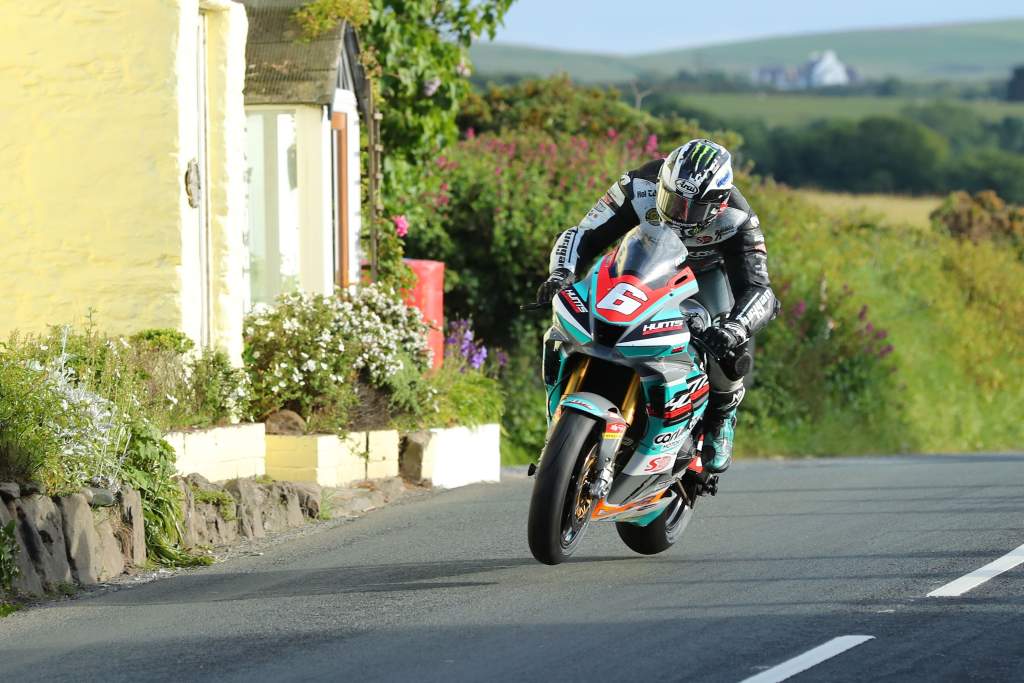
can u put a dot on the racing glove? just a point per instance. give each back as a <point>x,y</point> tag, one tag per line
<point>723,338</point>
<point>558,280</point>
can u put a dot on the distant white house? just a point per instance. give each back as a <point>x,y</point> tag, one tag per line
<point>826,70</point>
<point>822,70</point>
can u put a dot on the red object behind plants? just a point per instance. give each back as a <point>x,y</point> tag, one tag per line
<point>427,294</point>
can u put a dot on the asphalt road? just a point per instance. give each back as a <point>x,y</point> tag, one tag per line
<point>789,555</point>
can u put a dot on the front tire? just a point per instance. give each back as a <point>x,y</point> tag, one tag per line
<point>560,507</point>
<point>663,532</point>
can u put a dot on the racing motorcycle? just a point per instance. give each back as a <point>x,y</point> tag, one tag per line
<point>625,371</point>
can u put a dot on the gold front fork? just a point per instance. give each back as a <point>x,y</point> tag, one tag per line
<point>632,398</point>
<point>630,401</point>
<point>576,378</point>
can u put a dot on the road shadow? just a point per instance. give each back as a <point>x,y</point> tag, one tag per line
<point>202,587</point>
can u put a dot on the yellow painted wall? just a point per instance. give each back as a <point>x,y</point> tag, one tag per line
<point>96,139</point>
<point>227,28</point>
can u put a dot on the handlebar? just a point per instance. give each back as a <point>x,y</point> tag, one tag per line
<point>533,307</point>
<point>733,363</point>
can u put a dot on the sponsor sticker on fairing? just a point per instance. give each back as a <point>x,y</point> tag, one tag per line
<point>663,326</point>
<point>669,439</point>
<point>574,300</point>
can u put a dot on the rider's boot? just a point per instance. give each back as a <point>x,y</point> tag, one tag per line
<point>716,453</point>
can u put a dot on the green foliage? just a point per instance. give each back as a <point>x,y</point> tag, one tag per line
<point>214,390</point>
<point>225,503</point>
<point>419,47</point>
<point>824,359</point>
<point>180,388</point>
<point>149,469</point>
<point>554,105</point>
<point>559,107</point>
<point>8,557</point>
<point>953,320</point>
<point>524,424</point>
<point>464,397</point>
<point>415,54</point>
<point>162,339</point>
<point>31,418</point>
<point>75,409</point>
<point>875,154</point>
<point>66,395</point>
<point>322,16</point>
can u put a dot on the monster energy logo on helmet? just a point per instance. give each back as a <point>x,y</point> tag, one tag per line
<point>702,155</point>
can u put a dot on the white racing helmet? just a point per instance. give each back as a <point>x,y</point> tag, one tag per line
<point>694,185</point>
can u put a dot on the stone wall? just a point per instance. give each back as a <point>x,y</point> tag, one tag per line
<point>67,540</point>
<point>93,536</point>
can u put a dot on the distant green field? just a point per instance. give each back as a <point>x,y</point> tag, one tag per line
<point>789,109</point>
<point>890,209</point>
<point>985,50</point>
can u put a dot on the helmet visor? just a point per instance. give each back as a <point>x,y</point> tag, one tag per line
<point>684,211</point>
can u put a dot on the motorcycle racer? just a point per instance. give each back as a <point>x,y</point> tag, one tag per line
<point>691,192</point>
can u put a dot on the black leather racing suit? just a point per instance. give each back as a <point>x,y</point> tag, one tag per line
<point>728,256</point>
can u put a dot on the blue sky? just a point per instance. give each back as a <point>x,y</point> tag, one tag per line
<point>630,27</point>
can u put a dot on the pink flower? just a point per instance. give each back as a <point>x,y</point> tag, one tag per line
<point>612,133</point>
<point>470,133</point>
<point>401,225</point>
<point>652,144</point>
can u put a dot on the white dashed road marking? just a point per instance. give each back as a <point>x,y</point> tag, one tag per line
<point>980,576</point>
<point>792,667</point>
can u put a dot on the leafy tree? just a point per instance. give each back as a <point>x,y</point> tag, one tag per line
<point>419,49</point>
<point>416,54</point>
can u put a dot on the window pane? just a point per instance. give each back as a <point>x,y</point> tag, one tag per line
<point>273,204</point>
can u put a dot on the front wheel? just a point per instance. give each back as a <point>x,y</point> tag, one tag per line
<point>663,532</point>
<point>561,504</point>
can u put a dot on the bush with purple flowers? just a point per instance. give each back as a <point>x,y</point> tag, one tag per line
<point>463,347</point>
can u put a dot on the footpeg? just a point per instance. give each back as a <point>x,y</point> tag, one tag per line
<point>709,487</point>
<point>531,470</point>
<point>706,484</point>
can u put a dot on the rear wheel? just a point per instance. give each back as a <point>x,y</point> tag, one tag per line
<point>663,532</point>
<point>561,504</point>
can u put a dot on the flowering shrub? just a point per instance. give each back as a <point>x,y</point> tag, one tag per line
<point>308,353</point>
<point>823,355</point>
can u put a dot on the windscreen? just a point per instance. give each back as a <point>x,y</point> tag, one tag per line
<point>652,254</point>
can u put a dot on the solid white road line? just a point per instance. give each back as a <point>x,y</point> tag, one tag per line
<point>980,576</point>
<point>792,667</point>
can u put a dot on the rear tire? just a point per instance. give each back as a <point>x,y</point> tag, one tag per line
<point>663,532</point>
<point>567,465</point>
